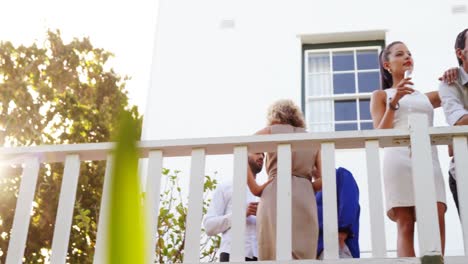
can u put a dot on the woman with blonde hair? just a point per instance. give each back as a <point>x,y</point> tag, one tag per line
<point>285,117</point>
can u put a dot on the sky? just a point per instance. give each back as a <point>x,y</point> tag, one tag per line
<point>125,28</point>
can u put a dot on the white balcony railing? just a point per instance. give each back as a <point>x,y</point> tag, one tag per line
<point>418,135</point>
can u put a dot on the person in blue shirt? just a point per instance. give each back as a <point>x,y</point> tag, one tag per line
<point>347,192</point>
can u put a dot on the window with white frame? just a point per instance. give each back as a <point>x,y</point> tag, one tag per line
<point>338,83</point>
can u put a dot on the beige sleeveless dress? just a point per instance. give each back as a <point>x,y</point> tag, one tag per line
<point>304,207</point>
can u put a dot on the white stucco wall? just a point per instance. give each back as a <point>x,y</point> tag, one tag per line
<point>210,81</point>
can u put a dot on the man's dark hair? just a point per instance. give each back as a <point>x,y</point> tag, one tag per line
<point>460,43</point>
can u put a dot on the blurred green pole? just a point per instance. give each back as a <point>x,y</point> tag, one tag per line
<point>126,216</point>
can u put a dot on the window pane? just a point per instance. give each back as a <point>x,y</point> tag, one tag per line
<point>318,62</point>
<point>320,111</point>
<point>366,126</point>
<point>368,81</point>
<point>345,110</point>
<point>367,59</point>
<point>343,61</point>
<point>364,109</point>
<point>343,83</point>
<point>343,127</point>
<point>319,84</point>
<point>320,127</point>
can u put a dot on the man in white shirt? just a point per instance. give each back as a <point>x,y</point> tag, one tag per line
<point>454,99</point>
<point>218,217</point>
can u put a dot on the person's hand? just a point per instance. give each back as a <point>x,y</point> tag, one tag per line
<point>342,236</point>
<point>450,75</point>
<point>317,185</point>
<point>402,88</point>
<point>258,189</point>
<point>251,209</point>
<point>450,150</point>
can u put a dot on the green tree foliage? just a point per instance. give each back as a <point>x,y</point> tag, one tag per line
<point>171,223</point>
<point>65,93</point>
<point>60,93</point>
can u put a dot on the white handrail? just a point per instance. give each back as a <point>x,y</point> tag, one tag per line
<point>225,145</point>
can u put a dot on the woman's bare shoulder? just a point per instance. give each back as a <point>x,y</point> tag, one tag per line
<point>264,131</point>
<point>378,95</point>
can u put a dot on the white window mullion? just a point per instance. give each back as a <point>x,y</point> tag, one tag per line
<point>358,110</point>
<point>340,97</point>
<point>333,92</point>
<point>346,122</point>
<point>345,49</point>
<point>306,83</point>
<point>350,71</point>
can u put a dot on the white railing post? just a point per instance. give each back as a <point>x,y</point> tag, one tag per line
<point>66,205</point>
<point>330,214</point>
<point>195,207</point>
<point>19,230</point>
<point>153,189</point>
<point>379,247</point>
<point>100,252</point>
<point>424,186</point>
<point>238,205</point>
<point>283,204</point>
<point>461,171</point>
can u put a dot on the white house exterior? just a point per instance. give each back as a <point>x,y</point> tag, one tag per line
<point>219,64</point>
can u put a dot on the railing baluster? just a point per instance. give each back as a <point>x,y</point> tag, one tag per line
<point>195,207</point>
<point>100,253</point>
<point>153,189</point>
<point>19,230</point>
<point>461,172</point>
<point>238,205</point>
<point>66,204</point>
<point>422,170</point>
<point>330,215</point>
<point>379,248</point>
<point>283,204</point>
<point>424,186</point>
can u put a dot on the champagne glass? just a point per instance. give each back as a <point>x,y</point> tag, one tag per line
<point>409,74</point>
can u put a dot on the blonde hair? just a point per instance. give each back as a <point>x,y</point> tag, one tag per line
<point>285,111</point>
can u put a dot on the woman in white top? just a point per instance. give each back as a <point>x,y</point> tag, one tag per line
<point>390,108</point>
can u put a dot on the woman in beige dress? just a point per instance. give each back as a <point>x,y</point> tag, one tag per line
<point>285,117</point>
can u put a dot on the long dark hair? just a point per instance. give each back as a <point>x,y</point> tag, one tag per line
<point>386,80</point>
<point>460,43</point>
